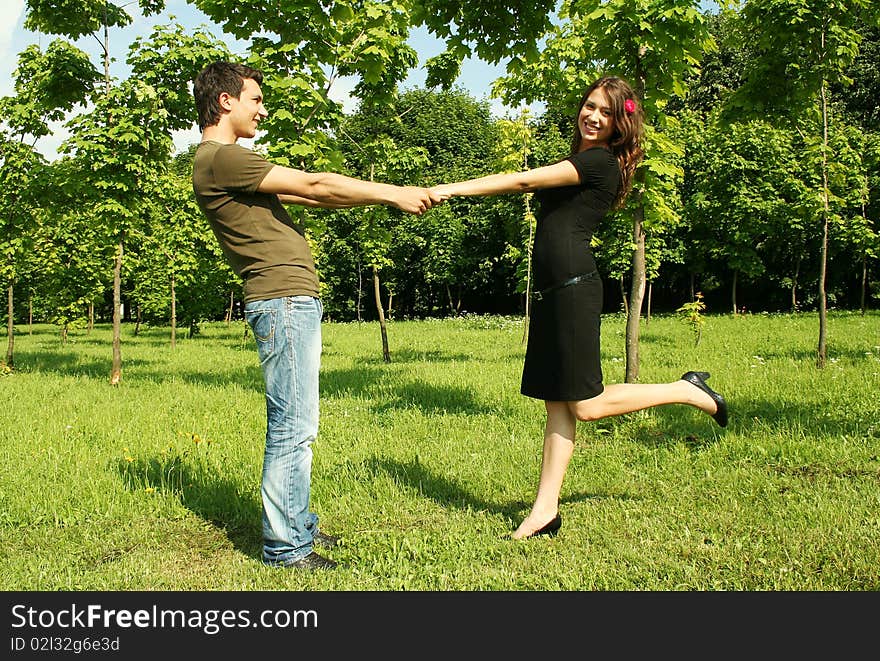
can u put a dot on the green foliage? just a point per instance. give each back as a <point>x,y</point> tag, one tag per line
<point>169,60</point>
<point>747,193</point>
<point>494,31</point>
<point>47,86</point>
<point>73,248</point>
<point>717,199</point>
<point>859,98</point>
<point>76,18</point>
<point>801,45</point>
<point>692,313</point>
<point>423,137</point>
<point>303,50</point>
<point>123,142</point>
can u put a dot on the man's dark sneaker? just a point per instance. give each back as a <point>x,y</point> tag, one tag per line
<point>312,562</point>
<point>324,540</point>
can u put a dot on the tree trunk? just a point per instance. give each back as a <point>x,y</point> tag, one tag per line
<point>637,295</point>
<point>116,369</point>
<point>693,286</point>
<point>137,320</point>
<point>10,328</point>
<point>30,315</point>
<point>623,299</point>
<point>650,291</point>
<point>637,286</point>
<point>821,349</point>
<point>386,355</point>
<point>864,268</point>
<point>91,325</point>
<point>173,313</point>
<point>64,329</point>
<point>733,291</point>
<point>360,291</point>
<point>794,282</point>
<point>231,306</point>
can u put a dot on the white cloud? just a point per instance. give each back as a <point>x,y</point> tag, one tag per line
<point>185,137</point>
<point>341,91</point>
<point>10,14</point>
<point>48,145</point>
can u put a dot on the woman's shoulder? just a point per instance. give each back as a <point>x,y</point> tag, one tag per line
<point>595,163</point>
<point>594,154</point>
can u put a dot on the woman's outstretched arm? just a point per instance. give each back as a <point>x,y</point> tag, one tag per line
<point>562,173</point>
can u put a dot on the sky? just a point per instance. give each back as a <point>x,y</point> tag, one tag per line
<point>476,76</point>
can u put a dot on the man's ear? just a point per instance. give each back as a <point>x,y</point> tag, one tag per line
<point>225,100</point>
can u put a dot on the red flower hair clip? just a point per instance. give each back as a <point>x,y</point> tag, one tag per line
<point>630,106</point>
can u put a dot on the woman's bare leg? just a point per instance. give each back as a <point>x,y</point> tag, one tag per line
<point>559,435</point>
<point>620,398</point>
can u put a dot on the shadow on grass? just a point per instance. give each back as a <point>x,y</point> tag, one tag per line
<point>416,356</point>
<point>65,363</point>
<point>807,355</point>
<point>433,399</point>
<point>217,500</point>
<point>428,398</point>
<point>350,382</point>
<point>448,493</point>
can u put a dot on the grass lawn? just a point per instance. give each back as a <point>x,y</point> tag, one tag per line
<point>426,464</point>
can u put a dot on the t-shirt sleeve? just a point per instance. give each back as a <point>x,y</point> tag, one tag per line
<point>239,169</point>
<point>596,167</point>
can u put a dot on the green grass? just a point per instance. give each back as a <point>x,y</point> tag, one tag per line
<point>426,464</point>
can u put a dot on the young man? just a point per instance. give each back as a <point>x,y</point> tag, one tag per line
<point>242,195</point>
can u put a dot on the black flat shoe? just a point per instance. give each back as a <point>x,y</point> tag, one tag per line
<point>551,529</point>
<point>699,380</point>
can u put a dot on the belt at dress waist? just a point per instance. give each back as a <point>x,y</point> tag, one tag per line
<point>538,295</point>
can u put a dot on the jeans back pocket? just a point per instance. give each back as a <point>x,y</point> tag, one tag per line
<point>262,322</point>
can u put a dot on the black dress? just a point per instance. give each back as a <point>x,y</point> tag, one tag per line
<point>562,357</point>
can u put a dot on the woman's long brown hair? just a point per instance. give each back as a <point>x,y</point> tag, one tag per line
<point>629,131</point>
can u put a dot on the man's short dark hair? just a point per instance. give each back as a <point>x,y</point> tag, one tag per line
<point>215,79</point>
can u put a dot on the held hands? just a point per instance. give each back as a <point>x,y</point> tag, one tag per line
<point>442,191</point>
<point>417,200</point>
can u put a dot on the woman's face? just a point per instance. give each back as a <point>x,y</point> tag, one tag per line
<point>595,120</point>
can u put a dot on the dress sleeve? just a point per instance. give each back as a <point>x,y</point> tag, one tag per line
<point>240,169</point>
<point>597,168</point>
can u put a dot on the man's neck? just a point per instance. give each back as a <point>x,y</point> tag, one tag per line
<point>218,133</point>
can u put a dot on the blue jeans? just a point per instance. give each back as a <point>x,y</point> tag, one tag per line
<point>288,335</point>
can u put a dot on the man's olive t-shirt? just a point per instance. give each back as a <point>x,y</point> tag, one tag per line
<point>259,238</point>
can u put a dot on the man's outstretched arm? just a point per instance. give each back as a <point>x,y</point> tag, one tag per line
<point>333,190</point>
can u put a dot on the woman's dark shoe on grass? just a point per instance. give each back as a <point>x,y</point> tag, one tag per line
<point>699,380</point>
<point>551,529</point>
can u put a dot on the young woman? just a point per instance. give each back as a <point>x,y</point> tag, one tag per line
<point>562,365</point>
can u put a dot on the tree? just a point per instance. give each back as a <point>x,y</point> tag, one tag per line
<point>738,201</point>
<point>71,247</point>
<point>802,45</point>
<point>76,18</point>
<point>46,86</point>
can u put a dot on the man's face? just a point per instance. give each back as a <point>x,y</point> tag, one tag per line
<point>247,110</point>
